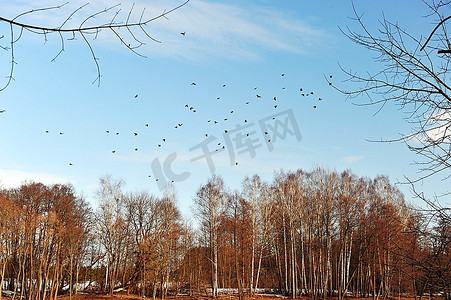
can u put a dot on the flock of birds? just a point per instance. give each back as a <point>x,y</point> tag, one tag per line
<point>193,109</point>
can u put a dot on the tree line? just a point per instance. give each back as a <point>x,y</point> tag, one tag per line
<point>315,233</point>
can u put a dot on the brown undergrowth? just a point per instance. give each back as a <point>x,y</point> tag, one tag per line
<point>124,296</point>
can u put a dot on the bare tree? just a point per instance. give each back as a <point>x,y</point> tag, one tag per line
<point>134,34</point>
<point>412,74</point>
<point>111,227</point>
<point>210,204</point>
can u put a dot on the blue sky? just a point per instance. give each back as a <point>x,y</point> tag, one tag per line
<point>232,50</point>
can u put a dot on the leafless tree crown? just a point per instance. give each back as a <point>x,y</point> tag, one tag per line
<point>411,71</point>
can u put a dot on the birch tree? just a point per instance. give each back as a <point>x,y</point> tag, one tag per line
<point>209,206</point>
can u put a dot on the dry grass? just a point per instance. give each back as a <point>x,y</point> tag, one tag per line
<point>124,296</point>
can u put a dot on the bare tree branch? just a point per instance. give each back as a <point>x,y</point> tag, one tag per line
<point>414,79</point>
<point>131,42</point>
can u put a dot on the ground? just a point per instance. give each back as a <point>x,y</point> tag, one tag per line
<point>121,296</point>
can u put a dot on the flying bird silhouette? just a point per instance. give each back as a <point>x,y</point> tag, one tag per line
<point>183,33</point>
<point>2,111</point>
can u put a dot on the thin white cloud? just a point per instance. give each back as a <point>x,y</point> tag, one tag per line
<point>435,131</point>
<point>213,29</point>
<point>14,178</point>
<point>353,159</point>
<point>440,132</point>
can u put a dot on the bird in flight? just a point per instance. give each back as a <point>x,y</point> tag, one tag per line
<point>183,33</point>
<point>2,111</point>
<point>135,133</point>
<point>46,131</point>
<point>136,96</point>
<point>193,83</point>
<point>61,133</point>
<point>258,96</point>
